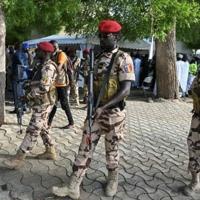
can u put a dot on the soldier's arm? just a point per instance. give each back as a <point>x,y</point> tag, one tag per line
<point>59,67</point>
<point>123,92</point>
<point>48,74</point>
<point>126,76</point>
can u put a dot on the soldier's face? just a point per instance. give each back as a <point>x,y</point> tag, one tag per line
<point>39,54</point>
<point>108,41</point>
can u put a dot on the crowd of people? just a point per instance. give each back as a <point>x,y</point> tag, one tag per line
<point>49,75</point>
<point>187,69</point>
<point>21,62</point>
<point>145,72</point>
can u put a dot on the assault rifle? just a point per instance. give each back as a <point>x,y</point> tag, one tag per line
<point>20,112</point>
<point>90,106</point>
<point>19,92</point>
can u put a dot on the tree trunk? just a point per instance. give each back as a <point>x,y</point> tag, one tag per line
<point>2,67</point>
<point>166,78</point>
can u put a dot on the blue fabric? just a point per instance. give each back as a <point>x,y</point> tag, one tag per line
<point>25,45</point>
<point>20,58</point>
<point>137,69</point>
<point>20,64</point>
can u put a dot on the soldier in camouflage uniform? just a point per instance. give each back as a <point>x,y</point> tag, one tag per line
<point>41,96</point>
<point>85,68</point>
<point>75,65</point>
<point>193,140</point>
<point>110,114</point>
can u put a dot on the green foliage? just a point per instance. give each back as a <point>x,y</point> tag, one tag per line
<point>19,19</point>
<point>190,33</point>
<point>45,17</point>
<point>191,36</point>
<point>140,18</point>
<point>52,15</point>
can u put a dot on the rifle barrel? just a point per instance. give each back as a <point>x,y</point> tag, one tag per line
<point>90,90</point>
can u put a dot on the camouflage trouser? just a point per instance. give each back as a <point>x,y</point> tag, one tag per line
<point>111,123</point>
<point>74,92</point>
<point>85,91</point>
<point>37,125</point>
<point>193,141</point>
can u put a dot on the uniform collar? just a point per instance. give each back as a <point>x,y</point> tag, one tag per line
<point>47,61</point>
<point>115,50</point>
<point>111,52</point>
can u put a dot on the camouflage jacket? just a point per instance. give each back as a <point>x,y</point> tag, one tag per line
<point>85,66</point>
<point>122,70</point>
<point>42,89</point>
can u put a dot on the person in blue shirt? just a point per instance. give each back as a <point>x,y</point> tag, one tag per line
<point>19,73</point>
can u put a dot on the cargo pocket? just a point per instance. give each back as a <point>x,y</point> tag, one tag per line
<point>117,123</point>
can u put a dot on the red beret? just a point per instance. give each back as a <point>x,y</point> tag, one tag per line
<point>87,51</point>
<point>109,26</point>
<point>46,46</point>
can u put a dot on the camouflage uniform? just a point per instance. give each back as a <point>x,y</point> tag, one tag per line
<point>193,139</point>
<point>42,97</point>
<point>112,121</point>
<point>85,68</point>
<point>74,84</point>
<point>109,120</point>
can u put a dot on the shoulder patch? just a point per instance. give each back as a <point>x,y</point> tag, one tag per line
<point>128,68</point>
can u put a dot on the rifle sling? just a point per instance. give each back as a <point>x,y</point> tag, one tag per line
<point>105,80</point>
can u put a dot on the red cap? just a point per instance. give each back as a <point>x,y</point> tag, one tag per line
<point>86,51</point>
<point>46,46</point>
<point>109,26</point>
